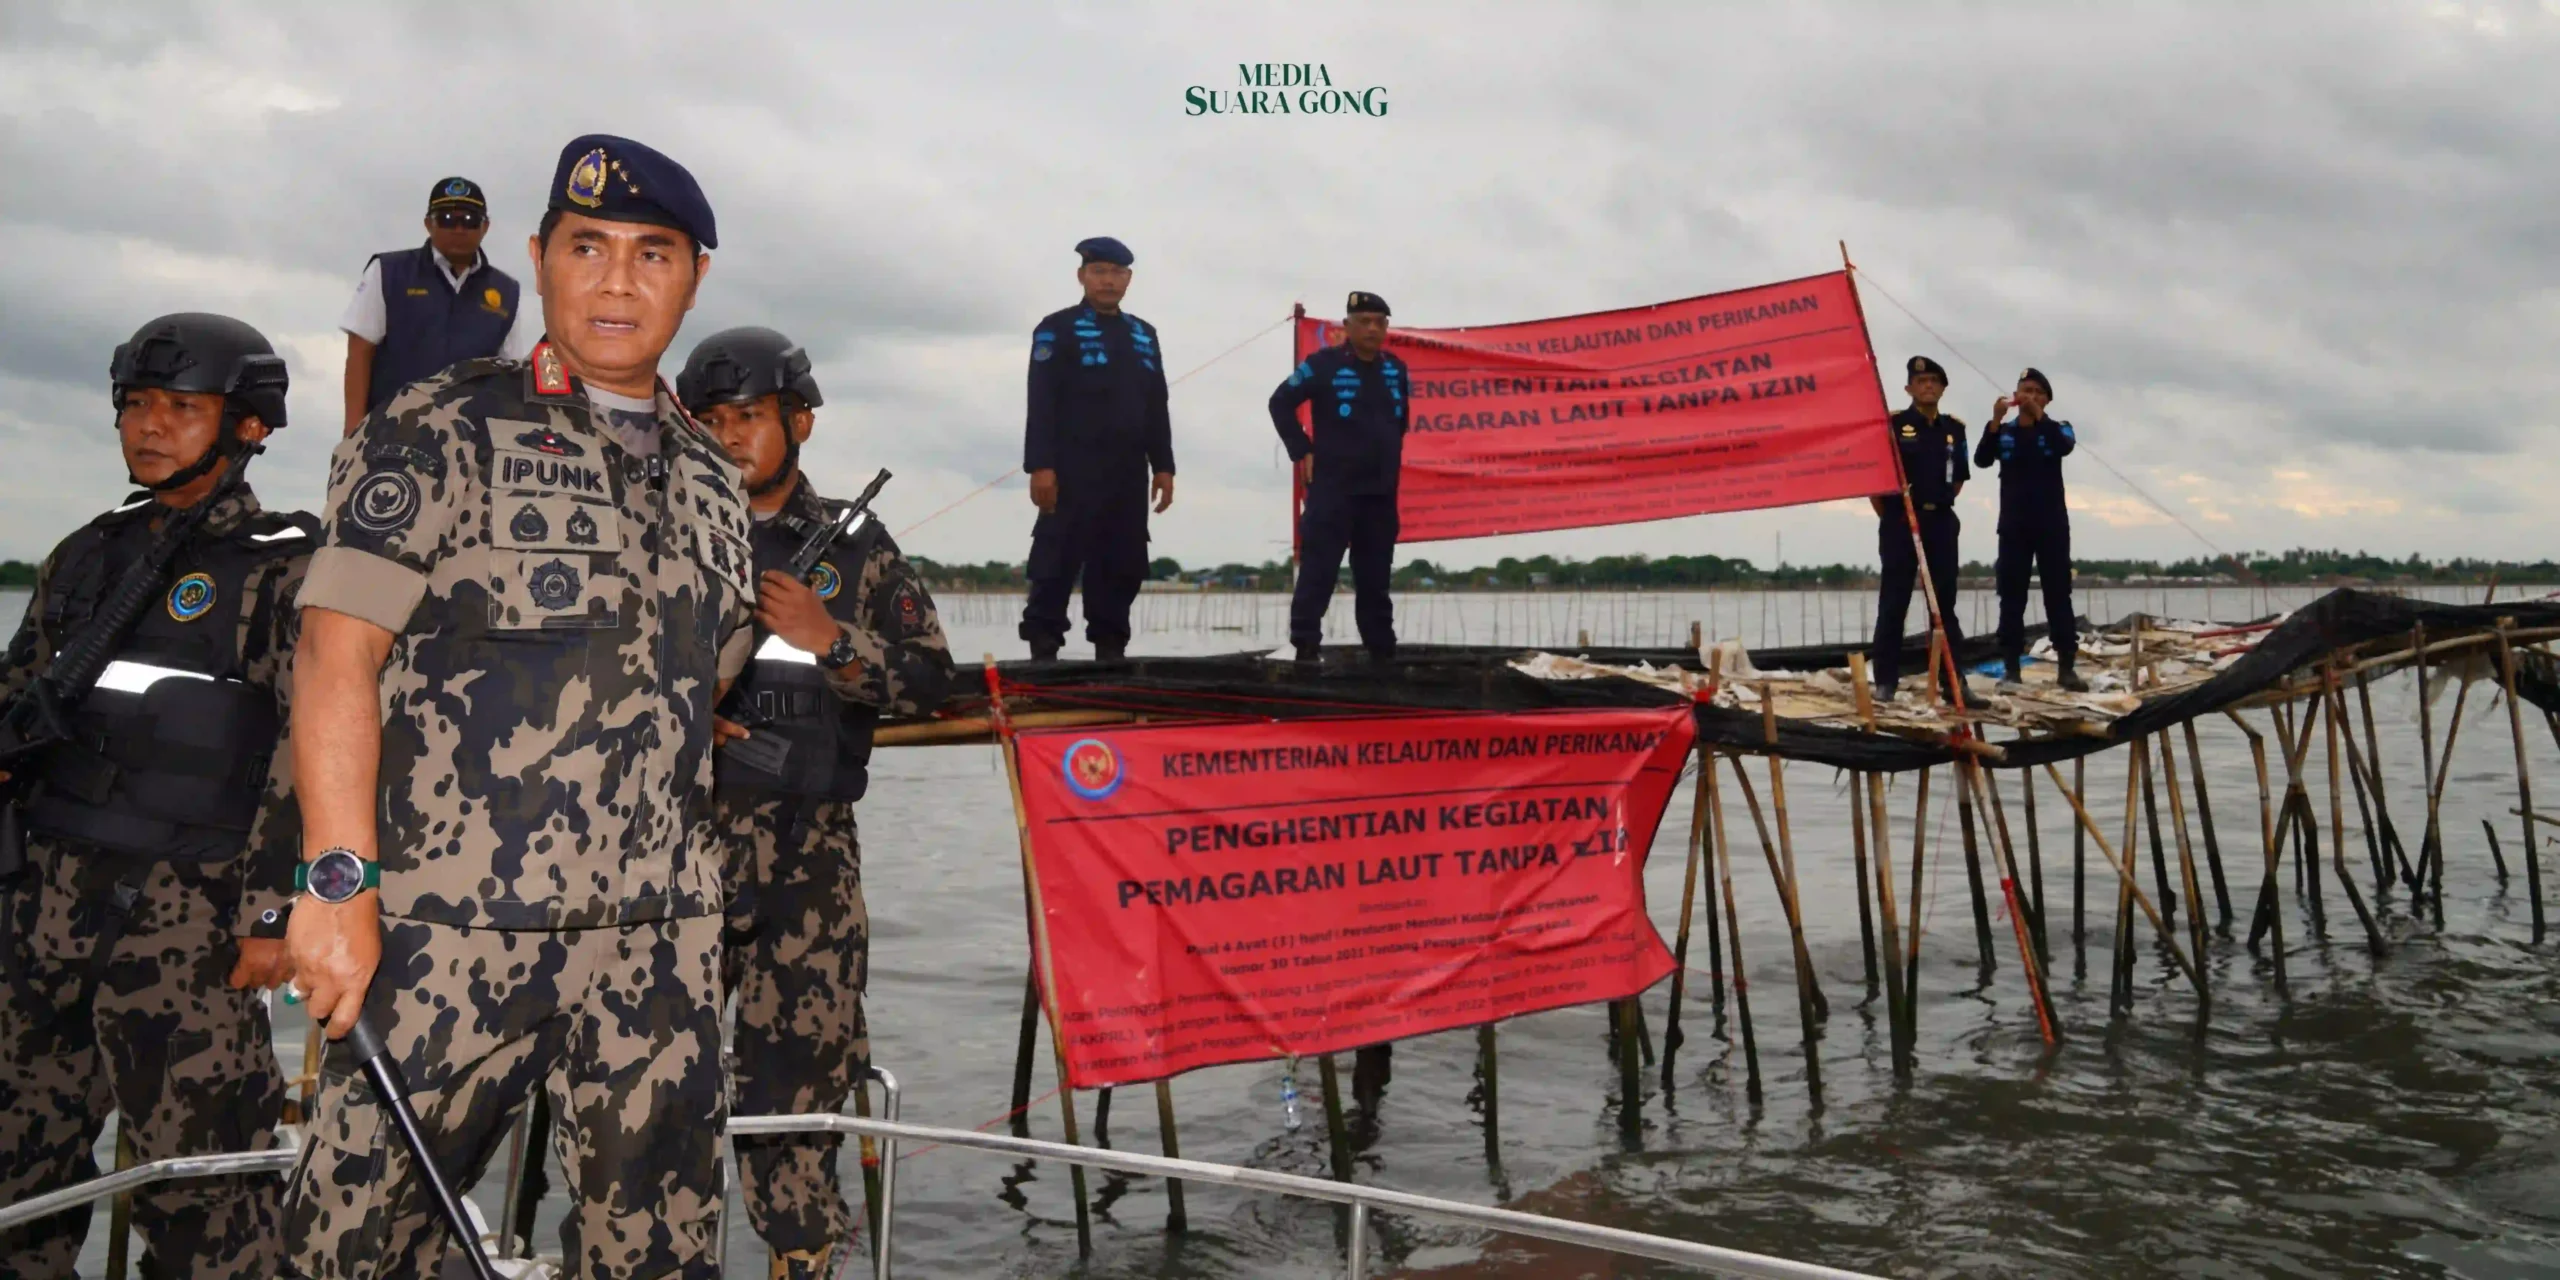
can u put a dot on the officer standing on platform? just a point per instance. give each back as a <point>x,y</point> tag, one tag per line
<point>161,832</point>
<point>416,311</point>
<point>1098,423</point>
<point>2035,529</point>
<point>856,641</point>
<point>1933,452</point>
<point>532,590</point>
<point>1349,471</point>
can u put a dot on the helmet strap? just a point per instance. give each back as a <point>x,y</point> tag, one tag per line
<point>783,470</point>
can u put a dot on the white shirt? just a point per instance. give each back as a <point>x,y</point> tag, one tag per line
<point>366,319</point>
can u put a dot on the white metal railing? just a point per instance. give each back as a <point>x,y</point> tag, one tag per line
<point>1362,1200</point>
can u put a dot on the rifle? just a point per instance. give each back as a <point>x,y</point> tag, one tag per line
<point>39,718</point>
<point>822,536</point>
<point>838,524</point>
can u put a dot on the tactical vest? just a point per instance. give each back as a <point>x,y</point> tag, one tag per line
<point>803,738</point>
<point>428,325</point>
<point>169,751</point>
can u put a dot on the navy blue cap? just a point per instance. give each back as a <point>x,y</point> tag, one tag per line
<point>1105,249</point>
<point>2037,377</point>
<point>1363,301</point>
<point>1919,366</point>
<point>461,192</point>
<point>619,180</point>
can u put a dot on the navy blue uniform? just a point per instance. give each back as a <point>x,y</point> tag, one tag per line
<point>429,325</point>
<point>2035,530</point>
<point>1098,417</point>
<point>1360,416</point>
<point>1933,462</point>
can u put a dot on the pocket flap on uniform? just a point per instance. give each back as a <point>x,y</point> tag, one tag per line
<point>553,522</point>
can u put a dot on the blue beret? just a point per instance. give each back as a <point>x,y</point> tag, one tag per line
<point>1918,367</point>
<point>1362,300</point>
<point>1105,249</point>
<point>619,180</point>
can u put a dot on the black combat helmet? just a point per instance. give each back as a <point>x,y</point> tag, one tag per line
<point>735,366</point>
<point>214,355</point>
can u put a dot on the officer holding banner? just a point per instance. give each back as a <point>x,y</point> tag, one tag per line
<point>1933,466</point>
<point>1348,468</point>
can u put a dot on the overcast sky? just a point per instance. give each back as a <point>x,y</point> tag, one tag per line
<point>2289,266</point>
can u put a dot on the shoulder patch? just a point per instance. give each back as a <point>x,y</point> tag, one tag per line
<point>384,501</point>
<point>405,456</point>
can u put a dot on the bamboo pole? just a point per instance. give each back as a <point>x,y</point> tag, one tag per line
<point>2306,826</point>
<point>2004,858</point>
<point>1040,947</point>
<point>2125,874</point>
<point>1030,1040</point>
<point>2391,841</point>
<point>1733,936</point>
<point>1911,960</point>
<point>2426,767</point>
<point>2330,709</point>
<point>1808,986</point>
<point>2035,863</point>
<point>2121,959</point>
<point>1671,1035</point>
<point>1177,1219</point>
<point>1895,996</point>
<point>2169,904</point>
<point>2204,821</point>
<point>2014,887</point>
<point>2524,782</point>
<point>1630,1079</point>
<point>1337,1131</point>
<point>2079,877</point>
<point>2274,851</point>
<point>1866,907</point>
<point>1973,867</point>
<point>2187,873</point>
<point>1489,1069</point>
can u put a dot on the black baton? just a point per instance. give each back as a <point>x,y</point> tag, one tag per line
<point>385,1074</point>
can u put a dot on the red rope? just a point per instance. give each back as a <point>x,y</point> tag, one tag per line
<point>936,1146</point>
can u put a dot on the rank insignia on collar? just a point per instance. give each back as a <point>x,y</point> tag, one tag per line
<point>550,376</point>
<point>1910,432</point>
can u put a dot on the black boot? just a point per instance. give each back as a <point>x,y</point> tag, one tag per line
<point>1110,650</point>
<point>2067,674</point>
<point>2009,668</point>
<point>1381,655</point>
<point>1310,655</point>
<point>1886,680</point>
<point>1045,650</point>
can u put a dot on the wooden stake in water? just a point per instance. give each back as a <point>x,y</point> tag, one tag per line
<point>1671,1035</point>
<point>1911,961</point>
<point>2125,872</point>
<point>2186,870</point>
<point>2274,850</point>
<point>2524,780</point>
<point>2079,876</point>
<point>1630,1080</point>
<point>2035,863</point>
<point>2204,821</point>
<point>1177,1220</point>
<point>1973,867</point>
<point>1896,998</point>
<point>1489,1070</point>
<point>1858,825</point>
<point>1336,1130</point>
<point>2330,709</point>
<point>1733,935</point>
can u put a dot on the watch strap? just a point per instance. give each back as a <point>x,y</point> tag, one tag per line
<point>372,871</point>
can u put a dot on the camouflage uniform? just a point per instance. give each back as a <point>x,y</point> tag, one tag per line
<point>798,934</point>
<point>151,1030</point>
<point>565,608</point>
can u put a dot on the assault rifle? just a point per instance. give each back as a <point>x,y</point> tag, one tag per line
<point>839,523</point>
<point>40,716</point>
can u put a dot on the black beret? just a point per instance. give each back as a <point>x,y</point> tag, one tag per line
<point>2037,377</point>
<point>456,191</point>
<point>1105,249</point>
<point>619,180</point>
<point>1359,302</point>
<point>1919,366</point>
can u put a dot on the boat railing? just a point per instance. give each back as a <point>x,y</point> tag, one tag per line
<point>1363,1201</point>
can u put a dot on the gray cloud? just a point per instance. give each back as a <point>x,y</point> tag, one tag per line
<point>2304,260</point>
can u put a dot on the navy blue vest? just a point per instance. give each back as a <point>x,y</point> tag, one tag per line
<point>429,325</point>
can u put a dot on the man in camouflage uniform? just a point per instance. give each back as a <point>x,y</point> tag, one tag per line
<point>160,841</point>
<point>532,589</point>
<point>857,640</point>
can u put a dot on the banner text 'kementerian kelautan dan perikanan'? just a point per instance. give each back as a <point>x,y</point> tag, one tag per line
<point>1235,892</point>
<point>1762,397</point>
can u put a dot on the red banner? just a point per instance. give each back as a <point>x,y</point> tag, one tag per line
<point>1227,893</point>
<point>1761,397</point>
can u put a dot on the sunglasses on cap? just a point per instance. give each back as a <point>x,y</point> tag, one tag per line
<point>465,218</point>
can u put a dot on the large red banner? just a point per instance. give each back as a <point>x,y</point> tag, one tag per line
<point>1225,893</point>
<point>1761,397</point>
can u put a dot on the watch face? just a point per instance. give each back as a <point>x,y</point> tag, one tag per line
<point>337,876</point>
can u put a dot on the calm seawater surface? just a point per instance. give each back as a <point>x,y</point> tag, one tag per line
<point>2397,1116</point>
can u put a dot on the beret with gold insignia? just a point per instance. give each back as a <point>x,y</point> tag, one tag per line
<point>619,180</point>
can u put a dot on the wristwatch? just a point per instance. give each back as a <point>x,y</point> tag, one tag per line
<point>840,654</point>
<point>337,876</point>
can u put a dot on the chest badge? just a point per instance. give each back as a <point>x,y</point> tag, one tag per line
<point>582,528</point>
<point>551,442</point>
<point>191,597</point>
<point>528,525</point>
<point>554,585</point>
<point>1910,432</point>
<point>824,580</point>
